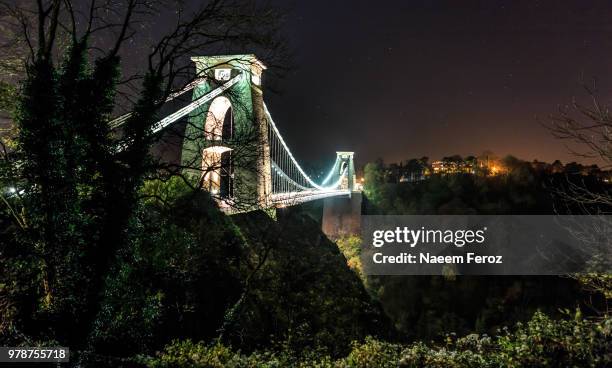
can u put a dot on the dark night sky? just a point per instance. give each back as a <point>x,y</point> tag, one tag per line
<point>403,79</point>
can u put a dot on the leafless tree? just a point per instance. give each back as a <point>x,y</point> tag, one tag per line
<point>587,131</point>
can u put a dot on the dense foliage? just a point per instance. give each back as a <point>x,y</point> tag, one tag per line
<point>541,342</point>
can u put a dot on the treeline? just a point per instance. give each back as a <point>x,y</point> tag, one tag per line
<point>486,164</point>
<point>519,187</point>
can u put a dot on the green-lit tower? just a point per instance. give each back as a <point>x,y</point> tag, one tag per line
<point>226,148</point>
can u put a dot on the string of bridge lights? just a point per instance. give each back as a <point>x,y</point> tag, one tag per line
<point>286,154</point>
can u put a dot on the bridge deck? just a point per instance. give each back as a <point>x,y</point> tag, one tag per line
<point>293,198</point>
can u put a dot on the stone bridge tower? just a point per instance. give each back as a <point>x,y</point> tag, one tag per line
<point>341,215</point>
<point>226,146</point>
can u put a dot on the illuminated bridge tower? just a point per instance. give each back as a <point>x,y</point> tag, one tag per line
<point>343,171</point>
<point>226,148</point>
<point>342,215</point>
<point>346,163</point>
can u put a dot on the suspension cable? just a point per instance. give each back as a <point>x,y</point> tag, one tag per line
<point>293,160</point>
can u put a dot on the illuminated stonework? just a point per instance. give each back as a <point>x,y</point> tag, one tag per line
<point>212,168</point>
<point>231,120</point>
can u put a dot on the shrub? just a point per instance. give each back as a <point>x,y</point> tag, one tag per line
<point>372,354</point>
<point>542,342</point>
<point>188,354</point>
<point>350,246</point>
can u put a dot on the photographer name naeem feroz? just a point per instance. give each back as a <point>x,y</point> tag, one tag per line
<point>427,258</point>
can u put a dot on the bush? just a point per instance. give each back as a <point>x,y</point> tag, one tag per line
<point>372,354</point>
<point>188,354</point>
<point>350,246</point>
<point>541,342</point>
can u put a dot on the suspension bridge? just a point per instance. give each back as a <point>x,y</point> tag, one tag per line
<point>233,148</point>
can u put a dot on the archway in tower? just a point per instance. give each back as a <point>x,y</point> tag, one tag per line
<point>217,160</point>
<point>344,178</point>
